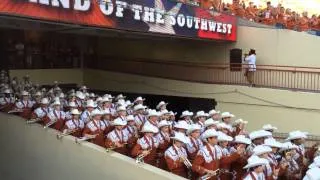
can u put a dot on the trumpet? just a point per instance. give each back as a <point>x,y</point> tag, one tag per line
<point>80,140</point>
<point>139,158</point>
<point>49,124</point>
<point>208,176</point>
<point>15,111</point>
<point>61,135</point>
<point>113,147</point>
<point>31,121</point>
<point>186,162</point>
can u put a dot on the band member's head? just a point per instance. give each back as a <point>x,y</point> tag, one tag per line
<point>7,93</point>
<point>194,131</point>
<point>122,111</point>
<point>211,136</point>
<point>211,124</point>
<point>164,114</point>
<point>297,137</point>
<point>96,114</point>
<point>224,140</point>
<point>269,127</point>
<point>139,100</point>
<point>149,130</point>
<point>201,116</point>
<point>80,96</point>
<point>56,105</point>
<point>139,108</point>
<point>186,115</point>
<point>179,140</point>
<point>215,115</point>
<point>162,106</point>
<point>225,128</point>
<point>288,150</point>
<point>258,137</point>
<point>252,51</point>
<point>172,116</point>
<point>181,126</point>
<point>256,164</point>
<point>241,140</point>
<point>262,151</point>
<point>240,124</point>
<point>72,105</point>
<point>25,95</point>
<point>119,124</point>
<point>130,120</point>
<point>164,126</point>
<point>44,102</point>
<point>153,115</point>
<point>37,96</point>
<point>106,102</point>
<point>226,117</point>
<point>75,114</point>
<point>72,97</point>
<point>106,115</point>
<point>90,105</point>
<point>83,89</point>
<point>273,144</point>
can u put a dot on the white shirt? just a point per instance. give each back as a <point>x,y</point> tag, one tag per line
<point>192,142</point>
<point>259,176</point>
<point>139,119</point>
<point>55,115</point>
<point>145,145</point>
<point>118,136</point>
<point>95,125</point>
<point>41,112</point>
<point>159,137</point>
<point>25,104</point>
<point>4,101</point>
<point>74,124</point>
<point>85,116</point>
<point>251,60</point>
<point>216,151</point>
<point>174,153</point>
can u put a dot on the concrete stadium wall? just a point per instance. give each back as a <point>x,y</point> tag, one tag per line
<point>287,110</point>
<point>31,152</point>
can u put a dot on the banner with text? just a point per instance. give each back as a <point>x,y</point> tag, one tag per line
<point>156,16</point>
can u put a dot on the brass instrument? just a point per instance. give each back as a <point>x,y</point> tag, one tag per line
<point>82,139</point>
<point>186,162</point>
<point>15,111</point>
<point>32,121</point>
<point>61,135</point>
<point>113,147</point>
<point>208,176</point>
<point>49,124</point>
<point>139,158</point>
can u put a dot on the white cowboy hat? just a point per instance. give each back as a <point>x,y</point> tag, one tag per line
<point>213,112</point>
<point>108,96</point>
<point>92,95</point>
<point>240,121</point>
<point>313,174</point>
<point>153,113</point>
<point>182,125</point>
<point>163,123</point>
<point>128,103</point>
<point>95,113</point>
<point>119,122</point>
<point>164,112</point>
<point>209,133</point>
<point>288,146</point>
<point>75,112</point>
<point>200,114</point>
<point>223,137</point>
<point>162,103</point>
<point>44,101</point>
<point>186,113</point>
<point>255,161</point>
<point>241,139</point>
<point>261,149</point>
<point>297,135</point>
<point>72,104</point>
<point>180,137</point>
<point>7,91</point>
<point>269,127</point>
<point>272,143</point>
<point>87,94</point>
<point>130,118</point>
<point>139,99</point>
<point>80,95</point>
<point>90,104</point>
<point>147,128</point>
<point>139,107</point>
<point>193,127</point>
<point>210,122</point>
<point>38,93</point>
<point>61,95</point>
<point>56,103</point>
<point>25,93</point>
<point>120,96</point>
<point>83,88</point>
<point>105,112</point>
<point>99,99</point>
<point>227,114</point>
<point>121,108</point>
<point>224,126</point>
<point>259,134</point>
<point>72,94</point>
<point>171,113</point>
<point>316,163</point>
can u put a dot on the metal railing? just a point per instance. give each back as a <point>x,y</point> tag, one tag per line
<point>281,77</point>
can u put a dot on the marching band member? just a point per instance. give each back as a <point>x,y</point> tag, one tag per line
<point>79,100</point>
<point>223,142</point>
<point>85,116</point>
<point>225,128</point>
<point>74,125</point>
<point>37,99</point>
<point>226,117</point>
<point>107,105</point>
<point>42,111</point>
<point>118,138</point>
<point>132,131</point>
<point>298,138</point>
<point>263,152</point>
<point>129,106</point>
<point>292,171</point>
<point>139,117</point>
<point>194,142</point>
<point>162,106</point>
<point>200,118</point>
<point>83,89</point>
<point>176,156</point>
<point>255,168</point>
<point>172,116</point>
<point>95,128</point>
<point>239,127</point>
<point>69,107</point>
<point>273,156</point>
<point>7,102</point>
<point>120,97</point>
<point>269,127</point>
<point>56,116</point>
<point>186,116</point>
<point>146,147</point>
<point>257,138</point>
<point>314,170</point>
<point>164,114</point>
<point>215,115</point>
<point>122,112</point>
<point>181,126</point>
<point>163,138</point>
<point>25,105</point>
<point>153,117</point>
<point>107,121</point>
<point>139,100</point>
<point>238,165</point>
<point>210,157</point>
<point>211,124</point>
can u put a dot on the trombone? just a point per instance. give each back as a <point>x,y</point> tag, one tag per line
<point>49,124</point>
<point>186,162</point>
<point>82,139</point>
<point>61,135</point>
<point>15,111</point>
<point>139,158</point>
<point>113,147</point>
<point>31,121</point>
<point>209,175</point>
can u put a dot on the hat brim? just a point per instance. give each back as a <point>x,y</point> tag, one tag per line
<point>180,140</point>
<point>254,165</point>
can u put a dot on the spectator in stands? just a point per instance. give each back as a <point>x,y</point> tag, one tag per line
<point>268,15</point>
<point>251,12</point>
<point>237,9</point>
<point>251,61</point>
<point>304,22</point>
<point>281,18</point>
